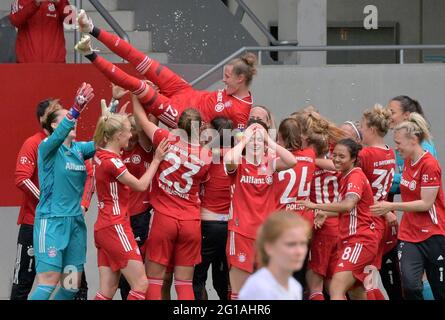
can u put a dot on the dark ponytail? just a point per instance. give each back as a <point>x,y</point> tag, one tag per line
<point>409,105</point>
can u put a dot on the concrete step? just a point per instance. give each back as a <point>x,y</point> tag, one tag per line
<point>141,40</point>
<point>110,5</point>
<point>162,57</point>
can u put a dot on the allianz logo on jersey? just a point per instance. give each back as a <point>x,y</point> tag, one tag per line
<point>252,180</point>
<point>75,167</point>
<point>409,184</point>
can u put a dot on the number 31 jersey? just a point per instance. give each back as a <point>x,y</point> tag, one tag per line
<point>175,190</point>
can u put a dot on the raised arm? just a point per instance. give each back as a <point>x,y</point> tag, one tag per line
<point>142,184</point>
<point>286,159</point>
<point>233,157</point>
<point>55,140</point>
<point>141,118</point>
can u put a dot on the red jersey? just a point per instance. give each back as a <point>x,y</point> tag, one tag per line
<point>220,104</point>
<point>40,36</point>
<point>378,165</point>
<point>112,195</point>
<point>137,162</point>
<point>358,223</point>
<point>89,185</point>
<point>210,104</point>
<point>252,190</point>
<point>215,192</point>
<point>294,184</point>
<point>26,178</point>
<point>424,173</point>
<point>175,191</point>
<point>324,189</point>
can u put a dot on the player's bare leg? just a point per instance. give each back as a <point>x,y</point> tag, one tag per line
<point>134,273</point>
<point>358,293</point>
<point>184,282</point>
<point>315,283</point>
<point>167,286</point>
<point>340,284</point>
<point>237,279</point>
<point>155,273</point>
<point>108,282</point>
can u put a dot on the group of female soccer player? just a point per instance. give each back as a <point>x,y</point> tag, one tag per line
<point>172,203</point>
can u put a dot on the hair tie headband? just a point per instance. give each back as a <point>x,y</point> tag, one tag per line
<point>357,131</point>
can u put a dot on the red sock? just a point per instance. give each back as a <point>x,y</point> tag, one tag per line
<point>154,289</point>
<point>100,296</point>
<point>136,295</point>
<point>184,289</point>
<point>316,296</point>
<point>234,296</point>
<point>117,76</point>
<point>375,294</point>
<point>124,50</point>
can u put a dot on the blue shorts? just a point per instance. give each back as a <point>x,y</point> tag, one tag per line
<point>60,242</point>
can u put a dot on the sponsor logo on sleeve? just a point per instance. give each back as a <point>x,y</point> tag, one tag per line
<point>117,163</point>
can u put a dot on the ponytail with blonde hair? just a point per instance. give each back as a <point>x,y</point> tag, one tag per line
<point>379,118</point>
<point>107,126</point>
<point>416,125</point>
<point>320,131</point>
<point>245,65</point>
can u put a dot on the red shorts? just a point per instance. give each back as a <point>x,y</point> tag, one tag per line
<point>240,252</point>
<point>356,256</point>
<point>116,246</point>
<point>390,238</point>
<point>173,241</point>
<point>323,254</point>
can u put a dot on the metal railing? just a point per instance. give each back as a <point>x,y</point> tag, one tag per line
<point>107,17</point>
<point>260,50</point>
<point>244,8</point>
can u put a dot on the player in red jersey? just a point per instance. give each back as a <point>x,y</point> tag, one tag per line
<point>357,247</point>
<point>323,250</point>
<point>175,94</point>
<point>175,233</point>
<point>215,204</point>
<point>137,157</point>
<point>116,247</point>
<point>295,183</point>
<point>252,190</point>
<point>422,229</point>
<point>319,133</point>
<point>378,163</point>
